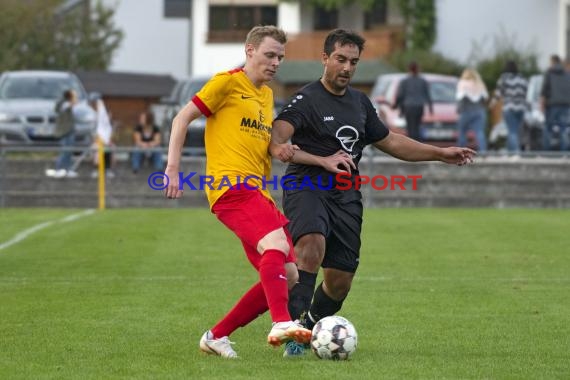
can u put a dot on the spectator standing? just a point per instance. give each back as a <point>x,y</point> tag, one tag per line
<point>104,134</point>
<point>555,102</point>
<point>472,98</point>
<point>65,128</point>
<point>413,94</point>
<point>511,88</point>
<point>147,138</point>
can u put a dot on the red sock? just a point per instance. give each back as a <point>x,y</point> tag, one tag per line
<point>250,306</point>
<point>274,281</point>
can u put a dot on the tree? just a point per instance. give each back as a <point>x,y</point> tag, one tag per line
<point>420,17</point>
<point>490,60</point>
<point>35,36</point>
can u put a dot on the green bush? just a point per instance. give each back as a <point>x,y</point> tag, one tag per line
<point>490,66</point>
<point>505,48</point>
<point>429,62</point>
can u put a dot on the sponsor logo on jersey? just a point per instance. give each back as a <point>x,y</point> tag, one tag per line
<point>347,136</point>
<point>256,124</point>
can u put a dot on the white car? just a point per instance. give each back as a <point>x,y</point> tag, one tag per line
<point>27,107</point>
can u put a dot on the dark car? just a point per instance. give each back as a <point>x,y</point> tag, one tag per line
<point>181,94</point>
<point>27,107</point>
<point>437,129</point>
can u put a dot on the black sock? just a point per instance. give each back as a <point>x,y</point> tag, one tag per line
<point>322,306</point>
<point>301,295</point>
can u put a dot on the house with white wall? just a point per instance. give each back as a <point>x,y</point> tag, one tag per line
<point>200,37</point>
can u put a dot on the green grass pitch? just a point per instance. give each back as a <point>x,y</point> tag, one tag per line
<point>440,294</point>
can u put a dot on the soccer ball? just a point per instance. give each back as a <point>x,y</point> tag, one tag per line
<point>334,338</point>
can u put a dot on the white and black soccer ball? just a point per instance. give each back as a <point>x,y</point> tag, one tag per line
<point>334,338</point>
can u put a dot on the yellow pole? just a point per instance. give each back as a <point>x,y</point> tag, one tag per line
<point>101,169</point>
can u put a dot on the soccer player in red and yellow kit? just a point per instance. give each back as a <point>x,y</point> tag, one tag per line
<point>239,109</point>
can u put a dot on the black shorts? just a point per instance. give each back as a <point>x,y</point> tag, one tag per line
<point>340,223</point>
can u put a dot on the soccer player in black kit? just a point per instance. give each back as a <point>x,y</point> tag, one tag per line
<point>328,123</point>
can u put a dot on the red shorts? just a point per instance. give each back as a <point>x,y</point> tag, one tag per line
<point>251,216</point>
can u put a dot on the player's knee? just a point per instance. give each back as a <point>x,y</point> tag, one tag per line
<point>310,250</point>
<point>275,240</point>
<point>280,245</point>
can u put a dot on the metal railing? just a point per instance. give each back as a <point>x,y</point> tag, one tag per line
<point>368,165</point>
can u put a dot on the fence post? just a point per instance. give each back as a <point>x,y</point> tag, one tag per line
<point>101,169</point>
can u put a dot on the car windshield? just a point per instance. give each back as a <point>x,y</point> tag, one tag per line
<point>380,88</point>
<point>38,88</point>
<point>192,88</point>
<point>442,92</point>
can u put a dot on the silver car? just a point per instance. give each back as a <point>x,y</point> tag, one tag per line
<point>27,107</point>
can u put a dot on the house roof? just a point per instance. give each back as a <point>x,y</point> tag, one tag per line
<point>300,72</point>
<point>123,84</point>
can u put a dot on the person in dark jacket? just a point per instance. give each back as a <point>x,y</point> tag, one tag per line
<point>413,94</point>
<point>555,99</point>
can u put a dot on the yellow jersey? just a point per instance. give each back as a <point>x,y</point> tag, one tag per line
<point>238,131</point>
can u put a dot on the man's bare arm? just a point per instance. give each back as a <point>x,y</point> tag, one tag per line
<point>407,149</point>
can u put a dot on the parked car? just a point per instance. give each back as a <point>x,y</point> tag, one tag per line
<point>181,94</point>
<point>27,107</point>
<point>437,129</point>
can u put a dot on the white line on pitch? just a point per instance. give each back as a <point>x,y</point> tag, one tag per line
<point>24,234</point>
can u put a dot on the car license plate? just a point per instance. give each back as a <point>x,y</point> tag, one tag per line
<point>40,131</point>
<point>431,133</point>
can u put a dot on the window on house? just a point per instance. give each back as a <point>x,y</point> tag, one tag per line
<point>377,16</point>
<point>324,19</point>
<point>177,8</point>
<point>231,23</point>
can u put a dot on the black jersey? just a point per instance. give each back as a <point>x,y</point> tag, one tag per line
<point>326,123</point>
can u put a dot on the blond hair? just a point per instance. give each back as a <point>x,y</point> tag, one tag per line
<point>471,85</point>
<point>258,33</point>
<point>471,74</point>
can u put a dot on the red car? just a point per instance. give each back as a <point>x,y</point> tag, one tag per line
<point>437,129</point>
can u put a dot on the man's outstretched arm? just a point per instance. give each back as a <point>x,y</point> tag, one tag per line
<point>404,148</point>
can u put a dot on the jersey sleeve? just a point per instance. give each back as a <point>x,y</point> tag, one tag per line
<point>294,112</point>
<point>375,129</point>
<point>214,93</point>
